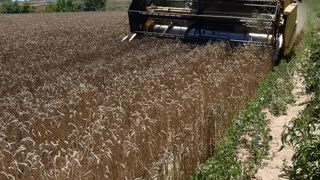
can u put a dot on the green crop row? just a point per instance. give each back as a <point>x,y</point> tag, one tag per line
<point>303,133</point>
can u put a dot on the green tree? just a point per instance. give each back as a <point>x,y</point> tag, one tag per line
<point>26,8</point>
<point>51,8</point>
<point>94,5</point>
<point>72,6</point>
<point>9,7</point>
<point>64,6</point>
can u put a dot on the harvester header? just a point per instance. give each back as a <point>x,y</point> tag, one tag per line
<point>245,21</point>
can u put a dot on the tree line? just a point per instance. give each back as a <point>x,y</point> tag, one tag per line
<point>10,7</point>
<point>75,6</point>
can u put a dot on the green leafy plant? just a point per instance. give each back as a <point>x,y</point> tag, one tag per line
<point>303,132</point>
<point>281,94</point>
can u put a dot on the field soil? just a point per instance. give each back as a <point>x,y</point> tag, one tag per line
<point>76,103</point>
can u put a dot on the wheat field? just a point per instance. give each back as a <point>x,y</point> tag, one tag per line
<point>76,103</point>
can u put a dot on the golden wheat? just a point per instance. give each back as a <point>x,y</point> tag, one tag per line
<point>75,103</point>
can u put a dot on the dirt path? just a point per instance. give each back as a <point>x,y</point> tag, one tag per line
<point>272,169</point>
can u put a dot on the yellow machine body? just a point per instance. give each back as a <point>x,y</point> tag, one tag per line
<point>290,22</point>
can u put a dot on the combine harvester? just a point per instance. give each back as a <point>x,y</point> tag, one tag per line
<point>262,22</point>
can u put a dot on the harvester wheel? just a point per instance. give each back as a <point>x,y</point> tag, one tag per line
<point>278,56</point>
